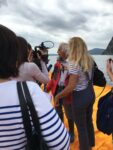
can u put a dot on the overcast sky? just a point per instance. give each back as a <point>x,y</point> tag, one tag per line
<point>59,20</point>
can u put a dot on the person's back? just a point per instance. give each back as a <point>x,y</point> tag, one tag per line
<point>12,132</point>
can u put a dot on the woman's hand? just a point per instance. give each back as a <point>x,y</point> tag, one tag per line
<point>68,89</point>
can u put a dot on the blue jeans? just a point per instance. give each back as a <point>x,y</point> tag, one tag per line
<point>82,107</point>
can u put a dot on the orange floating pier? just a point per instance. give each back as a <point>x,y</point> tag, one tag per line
<point>103,141</point>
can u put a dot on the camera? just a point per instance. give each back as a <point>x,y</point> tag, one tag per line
<point>41,53</point>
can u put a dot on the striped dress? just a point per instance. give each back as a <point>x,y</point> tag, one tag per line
<point>12,133</point>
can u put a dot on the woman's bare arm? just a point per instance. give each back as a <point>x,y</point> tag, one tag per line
<point>68,89</point>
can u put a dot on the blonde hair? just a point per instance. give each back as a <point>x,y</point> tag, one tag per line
<point>64,47</point>
<point>79,55</point>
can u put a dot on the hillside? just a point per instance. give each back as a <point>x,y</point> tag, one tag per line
<point>96,51</point>
<point>109,49</point>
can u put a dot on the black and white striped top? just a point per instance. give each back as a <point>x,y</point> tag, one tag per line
<point>82,81</point>
<point>12,133</point>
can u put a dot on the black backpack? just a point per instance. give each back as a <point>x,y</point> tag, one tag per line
<point>98,77</point>
<point>105,113</point>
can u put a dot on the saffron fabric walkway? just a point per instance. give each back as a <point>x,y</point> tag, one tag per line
<point>103,142</point>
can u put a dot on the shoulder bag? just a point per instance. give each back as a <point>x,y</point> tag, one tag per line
<point>34,137</point>
<point>98,77</point>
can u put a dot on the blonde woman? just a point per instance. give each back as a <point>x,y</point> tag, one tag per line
<point>80,84</point>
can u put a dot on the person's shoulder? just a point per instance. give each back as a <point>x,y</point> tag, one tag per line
<point>34,88</point>
<point>30,66</point>
<point>32,85</point>
<point>27,64</point>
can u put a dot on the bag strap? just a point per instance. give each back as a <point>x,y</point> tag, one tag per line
<point>90,80</point>
<point>24,109</point>
<point>28,102</point>
<point>34,115</point>
<point>33,112</point>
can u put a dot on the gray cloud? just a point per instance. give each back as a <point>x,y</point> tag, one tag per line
<point>111,1</point>
<point>38,21</point>
<point>50,22</point>
<point>3,2</point>
<point>64,24</point>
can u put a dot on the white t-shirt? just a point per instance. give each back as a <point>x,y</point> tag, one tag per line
<point>12,133</point>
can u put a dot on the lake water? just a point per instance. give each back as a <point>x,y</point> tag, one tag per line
<point>99,59</point>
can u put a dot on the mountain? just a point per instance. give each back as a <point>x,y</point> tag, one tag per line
<point>109,49</point>
<point>96,51</point>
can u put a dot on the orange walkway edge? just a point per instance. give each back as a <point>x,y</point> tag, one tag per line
<point>103,141</point>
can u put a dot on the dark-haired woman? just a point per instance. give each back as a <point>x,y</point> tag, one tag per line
<point>12,132</point>
<point>29,71</point>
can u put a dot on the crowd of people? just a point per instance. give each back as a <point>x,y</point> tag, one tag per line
<point>71,84</point>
